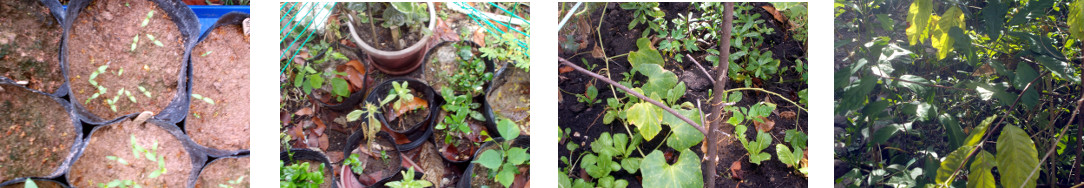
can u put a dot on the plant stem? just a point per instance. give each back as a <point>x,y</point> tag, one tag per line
<point>634,93</point>
<point>720,84</point>
<point>702,70</point>
<point>369,12</point>
<point>1054,146</point>
<point>769,92</point>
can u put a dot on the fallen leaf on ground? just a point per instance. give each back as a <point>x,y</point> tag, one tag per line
<point>320,127</point>
<point>442,31</point>
<point>405,107</point>
<point>735,170</point>
<point>787,115</point>
<point>565,69</point>
<point>766,126</point>
<point>356,80</point>
<point>775,13</point>
<point>479,37</point>
<point>598,52</point>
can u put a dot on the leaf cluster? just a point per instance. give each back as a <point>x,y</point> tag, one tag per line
<point>502,162</point>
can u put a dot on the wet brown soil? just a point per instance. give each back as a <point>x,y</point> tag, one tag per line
<point>220,66</point>
<point>36,133</point>
<point>379,37</point>
<point>511,98</point>
<point>223,171</point>
<point>102,35</point>
<point>29,44</point>
<point>93,167</point>
<point>586,120</point>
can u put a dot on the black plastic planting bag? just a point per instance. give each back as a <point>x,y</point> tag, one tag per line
<point>197,156</point>
<point>187,25</point>
<point>295,155</point>
<point>420,132</point>
<point>232,18</point>
<point>464,180</point>
<point>74,148</point>
<point>57,11</point>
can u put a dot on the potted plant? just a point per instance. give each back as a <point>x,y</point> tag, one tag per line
<point>39,136</point>
<point>225,172</point>
<point>333,78</point>
<point>369,160</point>
<point>134,152</point>
<point>31,57</point>
<point>304,168</point>
<point>219,113</point>
<point>406,107</point>
<point>461,66</point>
<point>394,35</point>
<point>143,70</point>
<point>509,96</point>
<point>500,163</point>
<point>462,129</point>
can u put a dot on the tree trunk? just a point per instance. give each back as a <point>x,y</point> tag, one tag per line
<point>716,119</point>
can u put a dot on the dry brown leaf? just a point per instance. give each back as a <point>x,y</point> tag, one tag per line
<point>442,31</point>
<point>766,126</point>
<point>319,128</point>
<point>775,13</point>
<point>788,115</point>
<point>735,170</point>
<point>598,52</point>
<point>356,80</point>
<point>324,143</point>
<point>307,111</point>
<point>405,107</point>
<point>565,69</point>
<point>984,70</point>
<point>479,37</point>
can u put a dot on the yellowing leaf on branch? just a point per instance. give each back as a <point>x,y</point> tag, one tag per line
<point>1076,19</point>
<point>953,17</point>
<point>919,18</point>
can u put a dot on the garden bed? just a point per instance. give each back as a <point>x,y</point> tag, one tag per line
<point>582,122</point>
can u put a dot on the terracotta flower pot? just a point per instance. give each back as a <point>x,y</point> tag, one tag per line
<point>398,62</point>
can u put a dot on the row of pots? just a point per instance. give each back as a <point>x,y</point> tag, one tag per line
<point>171,119</point>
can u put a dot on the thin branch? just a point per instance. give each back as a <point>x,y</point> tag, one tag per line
<point>634,93</point>
<point>702,70</point>
<point>1054,146</point>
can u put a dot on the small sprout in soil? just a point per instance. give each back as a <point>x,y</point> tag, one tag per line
<point>118,159</point>
<point>144,90</point>
<point>156,42</point>
<point>120,72</point>
<point>204,99</point>
<point>30,184</point>
<point>206,53</point>
<point>355,164</point>
<point>148,19</point>
<point>233,182</point>
<point>409,181</point>
<point>135,42</point>
<point>92,97</point>
<point>196,114</point>
<point>130,97</point>
<point>151,154</point>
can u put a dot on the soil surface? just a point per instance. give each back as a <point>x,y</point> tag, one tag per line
<point>222,171</point>
<point>222,75</point>
<point>585,121</point>
<point>36,133</point>
<point>510,97</point>
<point>29,45</point>
<point>39,183</point>
<point>93,167</point>
<point>379,36</point>
<point>102,34</point>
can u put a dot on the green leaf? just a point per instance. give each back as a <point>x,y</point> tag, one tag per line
<point>994,17</point>
<point>646,117</point>
<point>659,80</point>
<point>340,87</point>
<point>684,135</point>
<point>507,175</point>
<point>354,115</point>
<point>490,159</point>
<point>917,88</point>
<point>953,17</point>
<point>683,173</point>
<point>951,162</point>
<point>977,133</point>
<point>1076,19</point>
<point>981,175</point>
<point>952,128</point>
<point>1024,75</point>
<point>517,155</point>
<point>563,181</point>
<point>786,156</point>
<point>875,108</point>
<point>919,17</point>
<point>796,139</point>
<point>1016,157</point>
<point>755,148</point>
<point>1059,68</point>
<point>645,55</point>
<point>30,184</point>
<point>631,164</point>
<point>884,133</point>
<point>508,129</point>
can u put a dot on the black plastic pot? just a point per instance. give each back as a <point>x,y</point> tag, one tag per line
<point>436,48</point>
<point>196,156</point>
<point>465,180</point>
<point>358,138</point>
<point>213,160</point>
<point>232,18</point>
<point>75,147</point>
<point>349,102</point>
<point>41,182</point>
<point>310,155</point>
<point>498,79</point>
<point>489,125</point>
<point>417,133</point>
<point>187,25</point>
<point>57,11</point>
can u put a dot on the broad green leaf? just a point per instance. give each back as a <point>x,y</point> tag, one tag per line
<point>1033,9</point>
<point>683,173</point>
<point>506,175</point>
<point>1016,157</point>
<point>757,147</point>
<point>796,139</point>
<point>884,133</point>
<point>684,135</point>
<point>659,80</point>
<point>788,157</point>
<point>953,17</point>
<point>981,175</point>
<point>508,129</point>
<point>1076,19</point>
<point>563,181</point>
<point>1059,68</point>
<point>977,133</point>
<point>953,130</point>
<point>919,16</point>
<point>951,162</point>
<point>490,159</point>
<point>620,142</point>
<point>646,117</point>
<point>517,155</point>
<point>917,88</point>
<point>886,22</point>
<point>856,95</point>
<point>994,17</point>
<point>631,164</point>
<point>874,108</point>
<point>1024,75</point>
<point>354,115</point>
<point>645,55</point>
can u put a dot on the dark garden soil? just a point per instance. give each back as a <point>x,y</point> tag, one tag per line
<point>379,37</point>
<point>511,98</point>
<point>29,41</point>
<point>586,124</point>
<point>376,166</point>
<point>222,75</point>
<point>102,35</point>
<point>93,167</point>
<point>224,170</point>
<point>36,133</point>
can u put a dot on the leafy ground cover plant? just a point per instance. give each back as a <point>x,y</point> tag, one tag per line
<point>993,85</point>
<point>502,163</point>
<point>298,175</point>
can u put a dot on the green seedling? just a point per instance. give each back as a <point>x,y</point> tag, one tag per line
<point>120,72</point>
<point>373,125</point>
<point>459,108</point>
<point>402,92</point>
<point>206,53</point>
<point>208,100</point>
<point>148,19</point>
<point>156,42</point>
<point>409,181</point>
<point>233,182</point>
<point>135,42</point>
<point>144,90</point>
<point>588,96</point>
<point>196,114</point>
<point>119,160</point>
<point>298,175</point>
<point>502,162</point>
<point>754,147</point>
<point>355,164</point>
<point>30,184</point>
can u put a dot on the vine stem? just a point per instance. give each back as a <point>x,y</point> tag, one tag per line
<point>989,131</point>
<point>1053,146</point>
<point>634,93</point>
<point>769,92</point>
